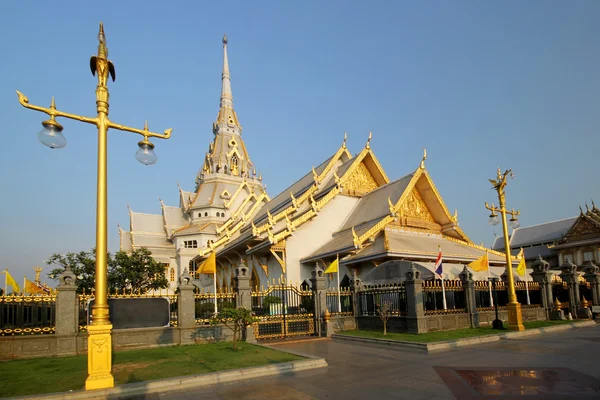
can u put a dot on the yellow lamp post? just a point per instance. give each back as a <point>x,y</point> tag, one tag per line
<point>513,308</point>
<point>99,339</point>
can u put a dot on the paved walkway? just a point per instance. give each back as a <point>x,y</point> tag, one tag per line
<point>560,365</point>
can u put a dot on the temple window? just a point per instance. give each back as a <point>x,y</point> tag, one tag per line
<point>172,274</point>
<point>199,215</point>
<point>234,165</point>
<point>588,256</point>
<point>206,214</point>
<point>190,244</point>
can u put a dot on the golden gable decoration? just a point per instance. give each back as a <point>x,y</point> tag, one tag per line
<point>225,194</point>
<point>583,227</point>
<point>361,181</point>
<point>414,206</point>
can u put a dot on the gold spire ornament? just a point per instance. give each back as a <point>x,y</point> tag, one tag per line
<point>368,145</point>
<point>345,139</point>
<point>424,158</point>
<point>99,339</point>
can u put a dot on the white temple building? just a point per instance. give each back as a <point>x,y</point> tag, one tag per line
<point>344,207</point>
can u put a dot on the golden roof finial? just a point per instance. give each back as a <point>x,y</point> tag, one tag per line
<point>260,177</point>
<point>391,206</point>
<point>368,145</point>
<point>455,216</point>
<point>345,139</point>
<point>424,158</point>
<point>315,175</point>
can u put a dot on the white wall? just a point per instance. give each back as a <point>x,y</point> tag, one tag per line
<point>314,234</point>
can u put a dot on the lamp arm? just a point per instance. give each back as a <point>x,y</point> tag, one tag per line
<point>53,112</point>
<point>144,132</point>
<point>491,208</point>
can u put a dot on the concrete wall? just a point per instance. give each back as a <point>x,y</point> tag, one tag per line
<point>35,346</point>
<point>446,322</point>
<point>343,323</point>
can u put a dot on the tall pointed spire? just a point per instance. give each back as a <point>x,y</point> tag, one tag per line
<point>226,97</point>
<point>227,118</point>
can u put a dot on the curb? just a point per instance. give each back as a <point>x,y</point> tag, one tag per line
<point>451,344</point>
<point>187,382</point>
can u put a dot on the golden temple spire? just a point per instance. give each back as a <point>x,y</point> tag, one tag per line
<point>345,139</point>
<point>368,145</point>
<point>226,97</point>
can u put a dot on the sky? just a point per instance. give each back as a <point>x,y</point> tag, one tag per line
<point>480,85</point>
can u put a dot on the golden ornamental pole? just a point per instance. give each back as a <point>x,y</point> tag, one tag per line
<point>513,308</point>
<point>99,339</point>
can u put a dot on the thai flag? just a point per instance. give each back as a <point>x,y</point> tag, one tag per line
<point>438,264</point>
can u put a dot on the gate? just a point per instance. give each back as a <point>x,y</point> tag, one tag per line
<point>283,311</point>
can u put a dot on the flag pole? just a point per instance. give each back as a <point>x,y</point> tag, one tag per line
<point>443,286</point>
<point>215,287</point>
<point>24,282</point>
<point>527,288</point>
<point>487,259</point>
<point>337,258</point>
<point>5,282</point>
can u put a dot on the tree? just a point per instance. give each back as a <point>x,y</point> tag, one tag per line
<point>236,319</point>
<point>83,265</point>
<point>137,271</point>
<point>384,313</point>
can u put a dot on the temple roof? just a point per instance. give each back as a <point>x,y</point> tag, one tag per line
<point>547,232</point>
<point>374,205</point>
<point>395,241</point>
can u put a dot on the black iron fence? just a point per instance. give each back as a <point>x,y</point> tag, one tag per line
<point>204,304</point>
<point>283,311</point>
<point>371,297</point>
<point>339,304</point>
<point>433,297</point>
<point>27,314</point>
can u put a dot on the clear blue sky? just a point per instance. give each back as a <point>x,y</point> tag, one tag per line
<point>479,84</point>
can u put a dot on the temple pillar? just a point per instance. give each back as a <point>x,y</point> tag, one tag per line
<point>243,296</point>
<point>415,316</point>
<point>570,276</point>
<point>592,275</point>
<point>319,287</point>
<point>466,277</point>
<point>543,276</point>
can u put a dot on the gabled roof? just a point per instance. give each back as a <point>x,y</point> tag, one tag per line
<point>395,241</point>
<point>374,205</point>
<point>536,234</point>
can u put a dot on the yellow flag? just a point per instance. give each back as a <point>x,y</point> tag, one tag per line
<point>522,266</point>
<point>333,267</point>
<point>10,281</point>
<point>209,266</point>
<point>481,264</point>
<point>33,288</point>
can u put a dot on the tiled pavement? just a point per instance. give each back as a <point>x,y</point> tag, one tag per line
<point>548,366</point>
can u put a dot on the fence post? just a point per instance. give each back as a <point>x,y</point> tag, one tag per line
<point>592,275</point>
<point>67,313</point>
<point>415,316</point>
<point>466,277</point>
<point>570,276</point>
<point>543,276</point>
<point>320,299</point>
<point>356,286</point>
<point>244,296</point>
<point>186,307</point>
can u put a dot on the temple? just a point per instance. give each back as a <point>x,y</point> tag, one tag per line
<point>346,208</point>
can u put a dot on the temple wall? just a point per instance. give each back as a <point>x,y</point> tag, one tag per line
<point>314,233</point>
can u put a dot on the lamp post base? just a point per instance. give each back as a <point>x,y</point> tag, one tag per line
<point>515,318</point>
<point>497,324</point>
<point>99,357</point>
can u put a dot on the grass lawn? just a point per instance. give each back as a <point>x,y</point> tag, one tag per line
<point>440,336</point>
<point>48,375</point>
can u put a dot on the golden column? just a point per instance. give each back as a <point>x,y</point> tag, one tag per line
<point>513,308</point>
<point>99,339</point>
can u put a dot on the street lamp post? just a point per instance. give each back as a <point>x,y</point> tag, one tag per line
<point>513,308</point>
<point>99,339</point>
